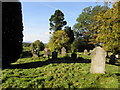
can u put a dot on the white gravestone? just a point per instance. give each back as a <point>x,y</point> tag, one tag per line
<point>98,60</point>
<point>85,52</point>
<point>63,51</point>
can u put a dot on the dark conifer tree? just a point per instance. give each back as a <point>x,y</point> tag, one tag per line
<point>12,35</point>
<point>57,21</point>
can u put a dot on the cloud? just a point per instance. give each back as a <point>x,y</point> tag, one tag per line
<point>49,6</point>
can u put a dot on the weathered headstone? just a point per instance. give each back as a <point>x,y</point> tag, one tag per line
<point>45,49</point>
<point>85,52</point>
<point>54,55</point>
<point>47,52</point>
<point>35,53</point>
<point>98,60</point>
<point>112,59</point>
<point>63,51</point>
<point>117,56</point>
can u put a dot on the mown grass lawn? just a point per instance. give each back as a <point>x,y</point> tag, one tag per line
<point>59,75</point>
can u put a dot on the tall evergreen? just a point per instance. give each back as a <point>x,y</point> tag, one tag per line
<point>57,21</point>
<point>12,35</point>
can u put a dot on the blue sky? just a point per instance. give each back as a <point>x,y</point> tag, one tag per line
<point>36,17</point>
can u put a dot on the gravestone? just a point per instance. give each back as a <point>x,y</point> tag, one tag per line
<point>47,52</point>
<point>54,55</point>
<point>98,60</point>
<point>63,51</point>
<point>117,56</point>
<point>45,49</point>
<point>34,55</point>
<point>73,55</point>
<point>112,59</point>
<point>85,52</point>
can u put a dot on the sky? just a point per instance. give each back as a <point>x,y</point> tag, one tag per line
<point>36,17</point>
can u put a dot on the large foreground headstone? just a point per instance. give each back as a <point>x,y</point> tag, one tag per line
<point>98,60</point>
<point>63,51</point>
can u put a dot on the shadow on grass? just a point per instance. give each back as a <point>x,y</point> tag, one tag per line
<point>49,61</point>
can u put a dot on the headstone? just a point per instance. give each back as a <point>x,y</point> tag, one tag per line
<point>45,49</point>
<point>63,51</point>
<point>117,56</point>
<point>54,55</point>
<point>112,59</point>
<point>73,55</point>
<point>47,52</point>
<point>98,60</point>
<point>85,52</point>
<point>34,55</point>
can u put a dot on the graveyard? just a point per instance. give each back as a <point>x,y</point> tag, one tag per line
<point>85,54</point>
<point>62,72</point>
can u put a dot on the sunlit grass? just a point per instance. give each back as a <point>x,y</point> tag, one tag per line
<point>62,75</point>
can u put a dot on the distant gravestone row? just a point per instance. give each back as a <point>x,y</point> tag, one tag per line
<point>98,58</point>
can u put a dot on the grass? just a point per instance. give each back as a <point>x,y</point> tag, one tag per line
<point>59,75</point>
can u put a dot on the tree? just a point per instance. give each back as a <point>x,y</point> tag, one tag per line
<point>80,45</point>
<point>37,45</point>
<point>12,35</point>
<point>82,27</point>
<point>107,29</point>
<point>70,34</point>
<point>57,21</point>
<point>58,40</point>
<point>26,44</point>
